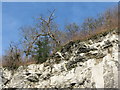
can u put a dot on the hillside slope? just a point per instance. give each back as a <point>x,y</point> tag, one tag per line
<point>88,64</point>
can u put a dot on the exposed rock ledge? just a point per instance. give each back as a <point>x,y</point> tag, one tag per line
<point>89,64</point>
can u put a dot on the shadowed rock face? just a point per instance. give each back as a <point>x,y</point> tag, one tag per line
<point>89,64</point>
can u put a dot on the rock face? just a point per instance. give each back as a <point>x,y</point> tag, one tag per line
<point>89,64</point>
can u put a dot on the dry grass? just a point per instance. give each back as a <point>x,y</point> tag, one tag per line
<point>17,63</point>
<point>28,62</point>
<point>110,23</point>
<point>91,34</point>
<point>99,30</point>
<point>81,36</point>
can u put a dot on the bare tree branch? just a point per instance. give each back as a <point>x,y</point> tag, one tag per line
<point>46,25</point>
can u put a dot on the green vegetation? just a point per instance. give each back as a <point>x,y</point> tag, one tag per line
<point>45,38</point>
<point>42,50</point>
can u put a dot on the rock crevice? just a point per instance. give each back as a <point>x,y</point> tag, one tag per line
<point>87,64</point>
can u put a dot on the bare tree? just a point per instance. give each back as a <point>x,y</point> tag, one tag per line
<point>72,30</point>
<point>45,27</point>
<point>13,57</point>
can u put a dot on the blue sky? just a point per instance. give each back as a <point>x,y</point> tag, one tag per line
<point>15,15</point>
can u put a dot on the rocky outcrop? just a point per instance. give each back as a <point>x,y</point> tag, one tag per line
<point>89,64</point>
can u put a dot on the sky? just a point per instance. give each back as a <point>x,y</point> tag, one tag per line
<point>18,14</point>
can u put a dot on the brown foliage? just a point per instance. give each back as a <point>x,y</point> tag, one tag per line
<point>12,58</point>
<point>90,28</point>
<point>109,19</point>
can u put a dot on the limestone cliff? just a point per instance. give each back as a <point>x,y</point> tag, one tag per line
<point>88,64</point>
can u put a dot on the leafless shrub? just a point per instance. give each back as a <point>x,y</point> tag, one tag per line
<point>104,23</point>
<point>12,59</point>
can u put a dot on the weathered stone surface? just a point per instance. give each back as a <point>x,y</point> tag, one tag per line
<point>32,79</point>
<point>92,64</point>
